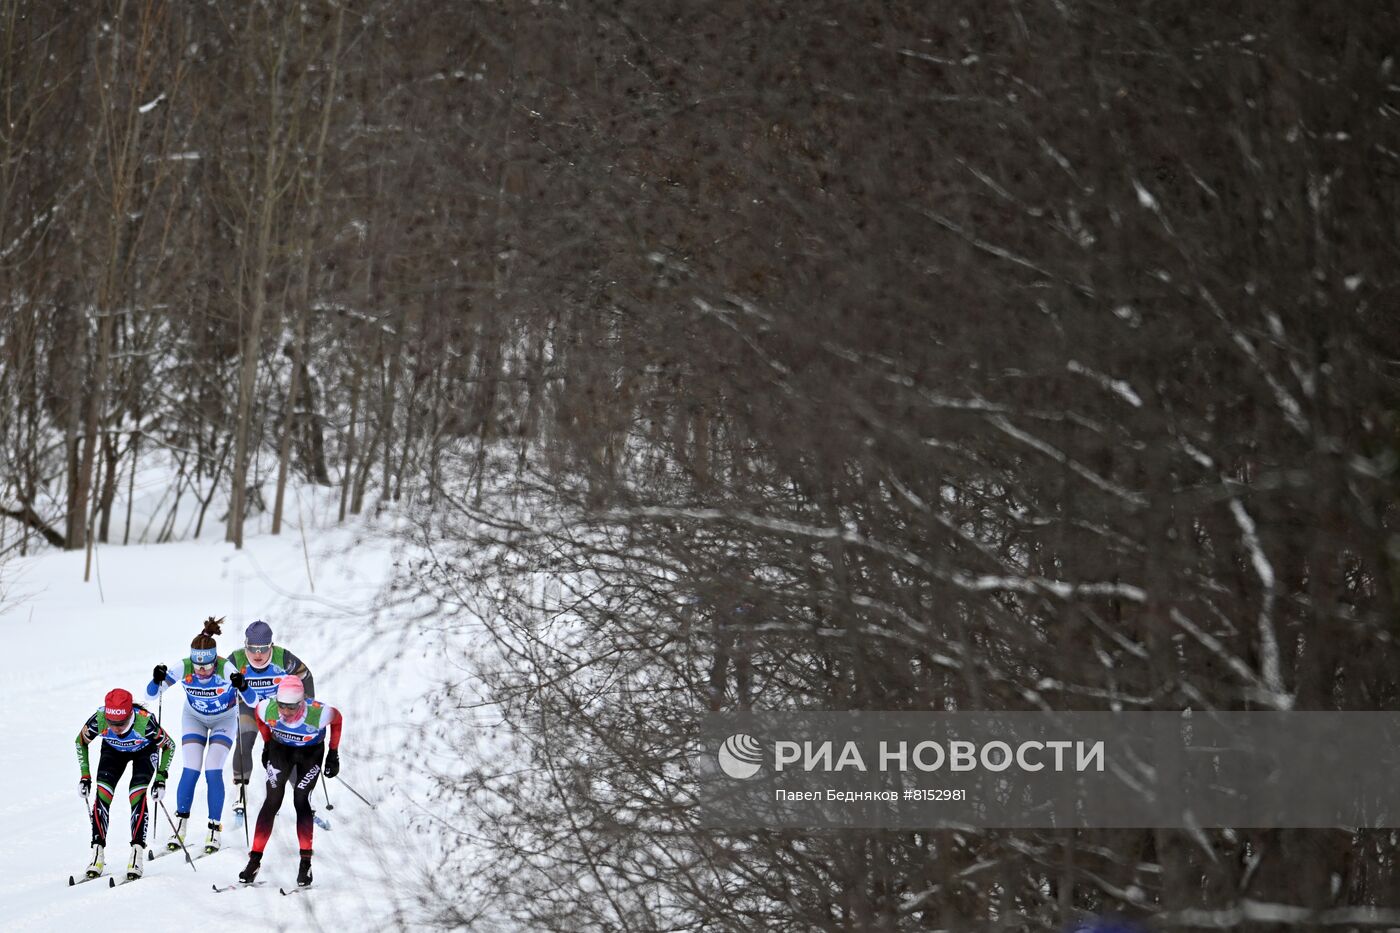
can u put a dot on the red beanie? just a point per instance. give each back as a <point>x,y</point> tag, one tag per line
<point>118,705</point>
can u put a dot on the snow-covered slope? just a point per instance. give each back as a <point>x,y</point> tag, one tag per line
<point>64,644</point>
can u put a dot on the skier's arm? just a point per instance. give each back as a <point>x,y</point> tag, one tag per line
<point>332,766</point>
<point>262,725</point>
<point>337,721</point>
<point>154,689</point>
<point>167,746</point>
<point>297,666</point>
<point>246,695</point>
<point>85,737</point>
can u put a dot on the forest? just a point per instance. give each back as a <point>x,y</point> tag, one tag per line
<point>732,356</point>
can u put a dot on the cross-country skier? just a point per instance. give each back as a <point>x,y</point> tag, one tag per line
<point>294,739</point>
<point>209,724</point>
<point>129,734</point>
<point>263,664</point>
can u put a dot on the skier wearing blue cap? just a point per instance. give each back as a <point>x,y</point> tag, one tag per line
<point>263,665</point>
<point>212,688</point>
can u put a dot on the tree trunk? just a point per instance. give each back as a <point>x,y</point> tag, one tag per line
<point>347,478</point>
<point>213,488</point>
<point>386,416</point>
<point>303,301</point>
<point>131,480</point>
<point>289,421</point>
<point>266,203</point>
<point>109,486</point>
<point>73,410</point>
<point>90,433</point>
<point>408,432</point>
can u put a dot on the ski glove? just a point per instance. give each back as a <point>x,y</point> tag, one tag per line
<point>332,763</point>
<point>157,789</point>
<point>264,756</point>
<point>238,680</point>
<point>85,786</point>
<point>158,674</point>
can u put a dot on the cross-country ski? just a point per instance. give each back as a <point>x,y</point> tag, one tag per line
<point>222,889</point>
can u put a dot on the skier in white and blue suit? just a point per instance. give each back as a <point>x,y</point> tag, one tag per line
<point>212,689</point>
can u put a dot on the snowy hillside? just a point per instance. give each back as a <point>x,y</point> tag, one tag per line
<point>67,643</point>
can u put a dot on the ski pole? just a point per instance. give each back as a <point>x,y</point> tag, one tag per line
<point>161,803</point>
<point>355,792</point>
<point>237,762</point>
<point>321,821</point>
<point>243,801</point>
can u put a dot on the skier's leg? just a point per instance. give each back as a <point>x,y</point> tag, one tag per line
<point>143,767</point>
<point>308,770</point>
<point>110,766</point>
<point>221,739</point>
<point>193,741</point>
<point>243,747</point>
<point>279,766</point>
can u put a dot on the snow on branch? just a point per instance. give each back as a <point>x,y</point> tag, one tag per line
<point>1292,411</point>
<point>972,583</point>
<point>1261,689</point>
<point>1268,640</point>
<point>1127,495</point>
<point>1118,387</point>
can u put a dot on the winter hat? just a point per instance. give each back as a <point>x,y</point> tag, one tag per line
<point>291,690</point>
<point>259,633</point>
<point>118,705</point>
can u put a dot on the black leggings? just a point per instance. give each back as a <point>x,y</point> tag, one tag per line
<point>299,766</point>
<point>243,745</point>
<point>110,767</point>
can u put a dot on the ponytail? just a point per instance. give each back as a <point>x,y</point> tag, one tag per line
<point>205,639</point>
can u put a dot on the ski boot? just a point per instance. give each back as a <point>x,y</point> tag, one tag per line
<point>238,814</point>
<point>211,841</point>
<point>179,836</point>
<point>95,868</point>
<point>304,869</point>
<point>249,874</point>
<point>137,866</point>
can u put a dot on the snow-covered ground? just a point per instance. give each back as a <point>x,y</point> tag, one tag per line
<point>64,644</point>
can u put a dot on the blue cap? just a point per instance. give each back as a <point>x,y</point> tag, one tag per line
<point>203,655</point>
<point>259,633</point>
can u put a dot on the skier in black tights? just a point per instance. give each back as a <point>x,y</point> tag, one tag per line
<point>294,739</point>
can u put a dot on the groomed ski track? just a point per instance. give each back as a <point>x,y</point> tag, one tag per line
<point>65,643</point>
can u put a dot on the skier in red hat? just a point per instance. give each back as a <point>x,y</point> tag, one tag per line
<point>129,734</point>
